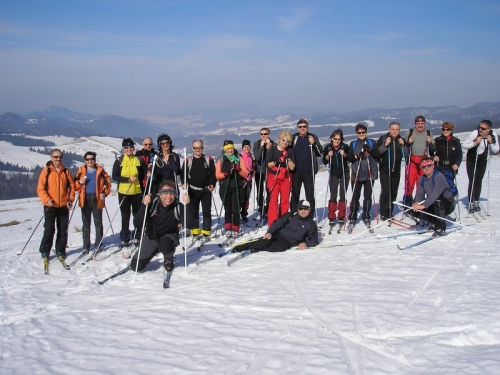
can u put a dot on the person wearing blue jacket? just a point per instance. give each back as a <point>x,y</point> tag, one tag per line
<point>290,230</point>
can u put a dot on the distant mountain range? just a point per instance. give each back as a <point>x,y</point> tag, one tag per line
<point>238,123</point>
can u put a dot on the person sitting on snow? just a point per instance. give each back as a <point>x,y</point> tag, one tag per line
<point>286,232</point>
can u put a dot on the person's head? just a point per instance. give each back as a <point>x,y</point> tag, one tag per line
<point>265,133</point>
<point>447,128</point>
<point>427,166</point>
<point>361,131</point>
<point>90,159</point>
<point>128,145</point>
<point>147,143</point>
<point>245,146</point>
<point>167,193</point>
<point>304,208</point>
<point>337,137</point>
<point>56,156</point>
<point>302,126</point>
<point>394,129</point>
<point>165,143</point>
<point>420,124</point>
<point>484,128</point>
<point>228,147</point>
<point>284,139</point>
<point>197,146</point>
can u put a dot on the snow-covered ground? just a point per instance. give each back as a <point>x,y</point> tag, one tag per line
<point>365,307</point>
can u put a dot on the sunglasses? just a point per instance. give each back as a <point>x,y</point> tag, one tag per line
<point>446,129</point>
<point>336,139</point>
<point>285,140</point>
<point>56,157</point>
<point>127,147</point>
<point>363,132</point>
<point>264,133</point>
<point>89,159</point>
<point>164,143</point>
<point>302,126</point>
<point>426,166</point>
<point>197,148</point>
<point>147,144</point>
<point>303,208</point>
<point>481,128</point>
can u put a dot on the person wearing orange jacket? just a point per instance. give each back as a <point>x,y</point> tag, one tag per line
<point>56,191</point>
<point>231,172</point>
<point>94,185</point>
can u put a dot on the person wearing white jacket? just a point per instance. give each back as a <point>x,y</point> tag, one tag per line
<point>480,143</point>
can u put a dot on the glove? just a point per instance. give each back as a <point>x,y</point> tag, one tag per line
<point>237,167</point>
<point>366,147</point>
<point>360,155</point>
<point>288,159</point>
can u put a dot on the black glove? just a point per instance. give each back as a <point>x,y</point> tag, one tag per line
<point>288,159</point>
<point>360,155</point>
<point>493,139</point>
<point>366,147</point>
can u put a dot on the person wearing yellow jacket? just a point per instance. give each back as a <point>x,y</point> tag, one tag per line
<point>56,191</point>
<point>94,186</point>
<point>129,170</point>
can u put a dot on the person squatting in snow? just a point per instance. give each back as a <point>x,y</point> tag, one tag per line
<point>162,227</point>
<point>290,230</point>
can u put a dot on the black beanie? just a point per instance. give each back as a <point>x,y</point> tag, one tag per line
<point>245,142</point>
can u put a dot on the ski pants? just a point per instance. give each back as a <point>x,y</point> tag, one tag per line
<point>388,184</point>
<point>441,207</point>
<point>356,194</point>
<point>90,209</point>
<point>165,245</point>
<point>55,218</point>
<point>306,178</point>
<point>259,185</point>
<point>130,204</point>
<point>232,203</point>
<point>193,218</point>
<point>247,193</point>
<point>474,192</point>
<point>414,174</point>
<point>279,187</point>
<point>276,244</point>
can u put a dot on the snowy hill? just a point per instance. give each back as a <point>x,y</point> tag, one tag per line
<point>354,305</point>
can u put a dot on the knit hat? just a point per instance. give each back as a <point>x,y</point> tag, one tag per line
<point>419,119</point>
<point>304,204</point>
<point>127,142</point>
<point>245,142</point>
<point>227,145</point>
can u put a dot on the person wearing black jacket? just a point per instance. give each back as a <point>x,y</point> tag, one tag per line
<point>162,228</point>
<point>448,154</point>
<point>393,150</point>
<point>363,154</point>
<point>146,154</point>
<point>335,155</point>
<point>260,149</point>
<point>307,149</point>
<point>290,230</point>
<point>168,165</point>
<point>200,185</point>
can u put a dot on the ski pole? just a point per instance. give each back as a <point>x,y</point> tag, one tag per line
<point>111,225</point>
<point>390,180</point>
<point>371,183</point>
<point>314,181</point>
<point>328,182</point>
<point>265,195</point>
<point>457,197</point>
<point>442,218</point>
<point>488,167</point>
<point>144,222</point>
<point>34,230</point>
<point>223,201</point>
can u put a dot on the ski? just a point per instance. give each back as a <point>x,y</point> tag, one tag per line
<point>350,228</point>
<point>121,272</point>
<point>166,279</point>
<point>212,257</point>
<point>106,255</point>
<point>227,242</point>
<point>401,223</point>
<point>369,227</point>
<point>82,254</point>
<point>241,255</point>
<point>63,262</point>
<point>396,235</point>
<point>46,265</point>
<point>128,254</point>
<point>432,237</point>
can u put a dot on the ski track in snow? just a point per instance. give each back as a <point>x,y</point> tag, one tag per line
<point>364,308</point>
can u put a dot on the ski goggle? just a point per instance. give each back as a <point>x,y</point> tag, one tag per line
<point>167,191</point>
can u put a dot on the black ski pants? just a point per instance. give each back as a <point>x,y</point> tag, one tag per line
<point>356,194</point>
<point>306,178</point>
<point>90,209</point>
<point>193,209</point>
<point>338,187</point>
<point>165,245</point>
<point>388,184</point>
<point>260,179</point>
<point>129,204</point>
<point>474,191</point>
<point>55,218</point>
<point>276,244</point>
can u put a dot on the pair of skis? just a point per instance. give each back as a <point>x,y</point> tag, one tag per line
<point>427,239</point>
<point>60,258</point>
<point>166,277</point>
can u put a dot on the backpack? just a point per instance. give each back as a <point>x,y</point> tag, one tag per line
<point>206,164</point>
<point>355,142</point>
<point>450,178</point>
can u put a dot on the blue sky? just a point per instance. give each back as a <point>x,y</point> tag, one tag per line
<point>138,58</point>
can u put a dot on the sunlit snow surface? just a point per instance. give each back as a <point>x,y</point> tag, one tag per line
<point>367,308</point>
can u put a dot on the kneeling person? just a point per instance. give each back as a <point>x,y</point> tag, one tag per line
<point>286,232</point>
<point>162,227</point>
<point>434,192</point>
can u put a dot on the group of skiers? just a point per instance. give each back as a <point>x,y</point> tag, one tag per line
<point>149,181</point>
